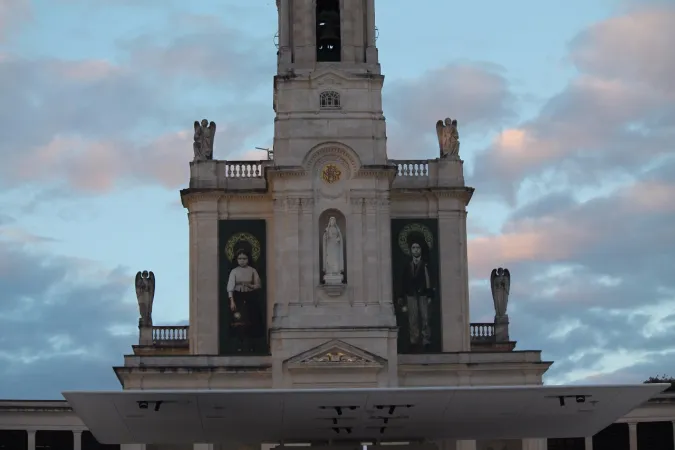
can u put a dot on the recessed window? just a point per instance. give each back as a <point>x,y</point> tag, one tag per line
<point>329,100</point>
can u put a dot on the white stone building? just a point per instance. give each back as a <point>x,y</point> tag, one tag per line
<point>354,267</point>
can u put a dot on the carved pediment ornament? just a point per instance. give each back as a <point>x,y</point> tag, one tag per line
<point>336,356</point>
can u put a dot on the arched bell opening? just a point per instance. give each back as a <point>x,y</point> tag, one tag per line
<point>328,34</point>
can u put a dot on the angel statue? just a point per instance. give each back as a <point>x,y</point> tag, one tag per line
<point>145,293</point>
<point>203,145</point>
<point>500,281</point>
<point>448,137</point>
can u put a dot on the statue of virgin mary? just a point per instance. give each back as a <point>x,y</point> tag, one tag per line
<point>333,253</point>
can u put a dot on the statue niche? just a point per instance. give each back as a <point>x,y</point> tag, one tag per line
<point>332,247</point>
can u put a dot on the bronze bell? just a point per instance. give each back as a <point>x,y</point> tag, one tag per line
<point>329,25</point>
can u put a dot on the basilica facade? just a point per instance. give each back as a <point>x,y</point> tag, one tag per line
<point>328,265</point>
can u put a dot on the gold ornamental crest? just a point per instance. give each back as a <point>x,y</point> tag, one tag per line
<point>331,173</point>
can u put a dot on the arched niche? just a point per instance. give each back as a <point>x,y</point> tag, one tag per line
<point>341,221</point>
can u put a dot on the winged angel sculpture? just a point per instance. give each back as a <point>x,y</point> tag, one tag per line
<point>203,145</point>
<point>145,293</point>
<point>448,137</point>
<point>500,281</point>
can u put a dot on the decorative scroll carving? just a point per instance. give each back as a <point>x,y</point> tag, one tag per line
<point>336,356</point>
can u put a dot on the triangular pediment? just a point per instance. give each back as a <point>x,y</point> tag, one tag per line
<point>335,353</point>
<point>329,76</point>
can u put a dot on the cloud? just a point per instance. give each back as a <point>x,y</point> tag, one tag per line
<point>591,280</point>
<point>221,55</point>
<point>13,13</point>
<point>478,93</point>
<point>616,117</point>
<point>65,322</point>
<point>95,125</point>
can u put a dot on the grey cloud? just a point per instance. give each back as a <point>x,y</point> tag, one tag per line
<point>87,125</point>
<point>615,288</point>
<point>616,118</point>
<point>223,57</point>
<point>12,14</point>
<point>58,325</point>
<point>476,94</point>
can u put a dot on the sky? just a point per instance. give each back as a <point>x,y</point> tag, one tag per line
<point>567,123</point>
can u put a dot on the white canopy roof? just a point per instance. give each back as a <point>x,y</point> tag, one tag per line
<point>387,414</point>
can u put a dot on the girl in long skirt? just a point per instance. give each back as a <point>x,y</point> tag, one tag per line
<point>243,290</point>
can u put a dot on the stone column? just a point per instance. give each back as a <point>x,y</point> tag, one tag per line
<point>632,435</point>
<point>204,308</point>
<point>292,250</point>
<point>384,227</point>
<point>31,439</point>
<point>588,443</point>
<point>77,439</point>
<point>280,253</point>
<point>285,51</point>
<point>454,277</point>
<point>306,245</point>
<point>372,269</point>
<point>371,48</point>
<point>355,272</point>
<point>534,444</point>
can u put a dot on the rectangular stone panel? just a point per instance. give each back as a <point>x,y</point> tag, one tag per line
<point>416,286</point>
<point>243,329</point>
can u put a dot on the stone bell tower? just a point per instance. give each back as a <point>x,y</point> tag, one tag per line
<point>330,162</point>
<point>328,85</point>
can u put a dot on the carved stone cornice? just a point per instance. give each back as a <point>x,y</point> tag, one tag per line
<point>371,203</point>
<point>191,195</point>
<point>285,172</point>
<point>463,193</point>
<point>307,204</point>
<point>356,202</point>
<point>293,203</point>
<point>248,196</point>
<point>377,171</point>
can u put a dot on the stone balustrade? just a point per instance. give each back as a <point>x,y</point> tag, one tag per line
<point>177,335</point>
<point>250,175</point>
<point>428,173</point>
<point>482,332</point>
<point>228,175</point>
<point>170,336</point>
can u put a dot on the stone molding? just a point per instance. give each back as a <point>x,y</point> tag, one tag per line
<point>332,151</point>
<point>462,193</point>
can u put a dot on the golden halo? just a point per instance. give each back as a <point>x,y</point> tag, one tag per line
<point>414,228</point>
<point>242,237</point>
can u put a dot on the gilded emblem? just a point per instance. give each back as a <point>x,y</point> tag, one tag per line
<point>331,173</point>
